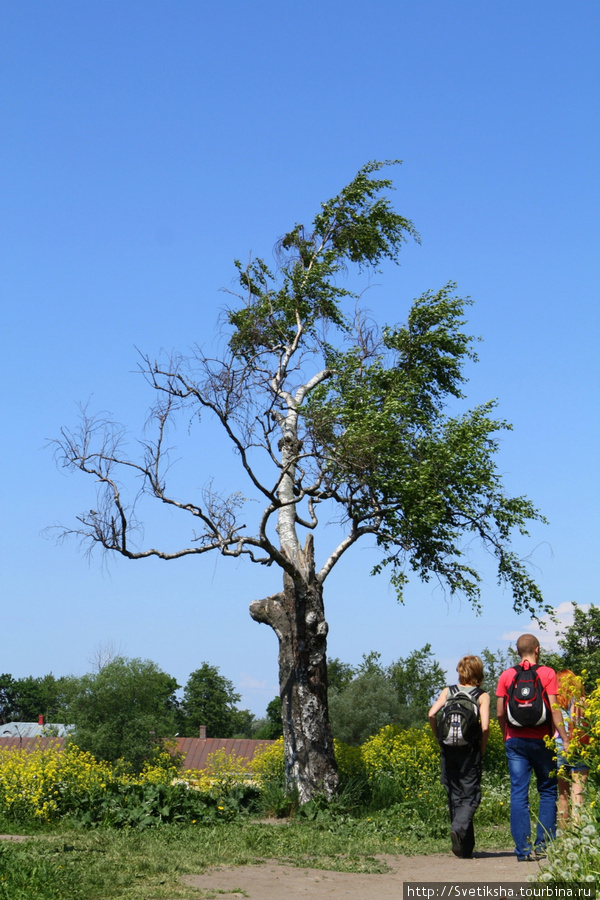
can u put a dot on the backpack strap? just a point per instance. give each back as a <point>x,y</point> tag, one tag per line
<point>475,694</point>
<point>545,699</point>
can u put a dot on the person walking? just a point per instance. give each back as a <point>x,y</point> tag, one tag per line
<point>462,732</point>
<point>528,713</point>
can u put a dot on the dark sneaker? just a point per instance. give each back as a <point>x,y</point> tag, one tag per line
<point>538,853</point>
<point>457,847</point>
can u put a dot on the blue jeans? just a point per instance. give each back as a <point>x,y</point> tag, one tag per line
<point>527,755</point>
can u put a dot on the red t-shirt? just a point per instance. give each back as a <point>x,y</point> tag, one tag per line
<point>548,679</point>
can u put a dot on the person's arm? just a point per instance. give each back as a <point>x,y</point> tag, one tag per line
<point>557,719</point>
<point>435,710</point>
<point>501,715</point>
<point>484,717</point>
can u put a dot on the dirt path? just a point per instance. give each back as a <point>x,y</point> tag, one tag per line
<point>272,881</point>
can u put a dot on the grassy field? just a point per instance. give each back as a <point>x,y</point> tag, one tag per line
<point>110,864</point>
<point>98,834</point>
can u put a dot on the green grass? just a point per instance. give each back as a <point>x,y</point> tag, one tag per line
<point>71,862</point>
<point>133,865</point>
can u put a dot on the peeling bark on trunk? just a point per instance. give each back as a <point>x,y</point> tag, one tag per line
<point>298,618</point>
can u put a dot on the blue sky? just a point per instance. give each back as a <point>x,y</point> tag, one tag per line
<point>145,145</point>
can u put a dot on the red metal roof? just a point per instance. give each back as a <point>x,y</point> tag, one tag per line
<point>195,751</point>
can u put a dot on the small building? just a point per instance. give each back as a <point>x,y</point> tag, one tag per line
<point>41,728</point>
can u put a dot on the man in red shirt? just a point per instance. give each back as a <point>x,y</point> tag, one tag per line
<point>526,752</point>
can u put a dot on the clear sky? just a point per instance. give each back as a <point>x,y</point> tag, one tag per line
<point>147,143</point>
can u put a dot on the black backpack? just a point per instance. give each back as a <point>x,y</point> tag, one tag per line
<point>527,704</point>
<point>458,720</point>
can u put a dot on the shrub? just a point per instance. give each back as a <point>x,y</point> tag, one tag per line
<point>395,768</point>
<point>47,784</point>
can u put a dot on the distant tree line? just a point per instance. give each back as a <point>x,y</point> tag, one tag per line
<point>24,699</point>
<point>365,698</point>
<point>122,687</point>
<point>128,706</point>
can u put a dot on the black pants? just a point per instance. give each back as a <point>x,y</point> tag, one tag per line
<point>461,777</point>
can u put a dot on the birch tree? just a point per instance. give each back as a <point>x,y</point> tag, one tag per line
<point>331,419</point>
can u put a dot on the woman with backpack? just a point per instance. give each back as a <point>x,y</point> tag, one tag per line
<point>572,772</point>
<point>460,721</point>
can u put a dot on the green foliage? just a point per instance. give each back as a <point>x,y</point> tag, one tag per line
<point>364,699</point>
<point>271,726</point>
<point>375,420</point>
<point>367,704</point>
<point>7,683</point>
<point>339,674</point>
<point>575,854</point>
<point>209,699</point>
<point>357,226</point>
<point>574,857</point>
<point>493,665</point>
<point>371,664</point>
<point>49,784</point>
<point>418,679</point>
<point>580,643</point>
<point>24,699</point>
<point>124,711</point>
<point>551,658</point>
<point>243,723</point>
<point>427,477</point>
<point>135,805</point>
<point>584,745</point>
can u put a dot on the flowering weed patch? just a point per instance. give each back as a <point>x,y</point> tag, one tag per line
<point>46,785</point>
<point>397,769</point>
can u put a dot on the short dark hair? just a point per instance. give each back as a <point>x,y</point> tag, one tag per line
<point>527,644</point>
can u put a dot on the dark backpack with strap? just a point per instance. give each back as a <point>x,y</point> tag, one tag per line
<point>527,704</point>
<point>458,719</point>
